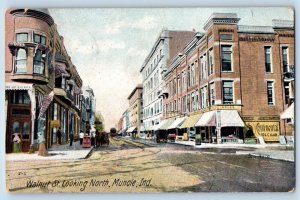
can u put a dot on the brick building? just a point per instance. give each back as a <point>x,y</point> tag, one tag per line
<point>232,80</point>
<point>135,106</point>
<point>36,65</point>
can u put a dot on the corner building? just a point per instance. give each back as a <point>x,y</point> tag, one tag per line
<point>36,64</point>
<point>231,81</point>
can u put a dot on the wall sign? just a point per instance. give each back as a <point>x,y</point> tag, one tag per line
<point>270,131</point>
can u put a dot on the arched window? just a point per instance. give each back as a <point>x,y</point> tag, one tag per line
<point>39,63</point>
<point>21,61</point>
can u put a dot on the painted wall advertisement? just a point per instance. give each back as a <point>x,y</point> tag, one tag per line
<point>270,131</point>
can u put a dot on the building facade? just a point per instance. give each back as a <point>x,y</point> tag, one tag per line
<point>135,106</point>
<point>36,65</point>
<point>90,109</point>
<point>155,65</point>
<point>232,80</point>
<point>125,121</point>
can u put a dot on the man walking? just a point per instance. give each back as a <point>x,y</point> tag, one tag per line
<point>71,135</point>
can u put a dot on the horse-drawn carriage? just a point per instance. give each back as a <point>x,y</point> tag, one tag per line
<point>102,139</point>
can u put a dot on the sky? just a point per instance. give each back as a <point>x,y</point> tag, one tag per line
<point>109,45</point>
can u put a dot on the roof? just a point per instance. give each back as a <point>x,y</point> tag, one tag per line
<point>139,86</point>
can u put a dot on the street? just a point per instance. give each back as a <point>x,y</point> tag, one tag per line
<point>134,166</point>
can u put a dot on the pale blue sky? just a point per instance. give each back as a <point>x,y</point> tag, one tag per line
<point>108,46</point>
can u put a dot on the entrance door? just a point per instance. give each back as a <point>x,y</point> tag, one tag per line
<point>22,128</point>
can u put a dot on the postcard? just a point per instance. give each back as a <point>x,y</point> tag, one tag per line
<point>149,100</point>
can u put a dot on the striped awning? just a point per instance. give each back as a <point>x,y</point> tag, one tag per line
<point>288,113</point>
<point>60,70</point>
<point>131,129</point>
<point>177,123</point>
<point>166,124</point>
<point>207,119</point>
<point>191,121</point>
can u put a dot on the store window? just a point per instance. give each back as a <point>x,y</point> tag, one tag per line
<point>20,97</point>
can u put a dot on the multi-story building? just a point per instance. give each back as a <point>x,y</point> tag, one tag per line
<point>36,65</point>
<point>155,65</point>
<point>90,109</point>
<point>232,80</point>
<point>135,107</point>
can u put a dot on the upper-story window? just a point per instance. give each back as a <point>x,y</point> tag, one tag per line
<point>22,37</point>
<point>160,53</point>
<point>39,39</point>
<point>227,92</point>
<point>226,54</point>
<point>270,92</point>
<point>285,60</point>
<point>268,61</point>
<point>226,37</point>
<point>212,94</point>
<point>39,63</point>
<point>21,61</point>
<point>211,69</point>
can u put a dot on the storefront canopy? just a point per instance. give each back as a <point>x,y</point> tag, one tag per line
<point>231,118</point>
<point>166,124</point>
<point>177,123</point>
<point>18,86</point>
<point>191,121</point>
<point>228,118</point>
<point>131,129</point>
<point>288,113</point>
<point>207,119</point>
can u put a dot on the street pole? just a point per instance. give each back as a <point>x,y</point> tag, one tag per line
<point>218,119</point>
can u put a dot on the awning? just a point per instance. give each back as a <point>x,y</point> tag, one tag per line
<point>177,123</point>
<point>131,129</point>
<point>17,86</point>
<point>166,124</point>
<point>60,70</point>
<point>231,118</point>
<point>190,121</point>
<point>288,113</point>
<point>142,129</point>
<point>207,119</point>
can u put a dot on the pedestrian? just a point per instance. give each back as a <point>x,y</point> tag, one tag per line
<point>81,135</point>
<point>17,145</point>
<point>71,135</point>
<point>58,133</point>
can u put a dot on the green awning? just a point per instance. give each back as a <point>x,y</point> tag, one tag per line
<point>166,124</point>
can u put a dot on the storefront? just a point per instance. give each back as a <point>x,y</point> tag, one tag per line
<point>21,112</point>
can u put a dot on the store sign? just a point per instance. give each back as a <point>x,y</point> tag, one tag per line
<point>270,131</point>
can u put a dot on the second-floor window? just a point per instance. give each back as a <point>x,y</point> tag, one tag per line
<point>226,55</point>
<point>21,61</point>
<point>268,63</point>
<point>287,91</point>
<point>270,92</point>
<point>227,92</point>
<point>211,69</point>
<point>39,63</point>
<point>212,94</point>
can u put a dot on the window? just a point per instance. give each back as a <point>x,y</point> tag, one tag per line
<point>268,63</point>
<point>226,54</point>
<point>39,63</point>
<point>285,59</point>
<point>160,53</point>
<point>227,92</point>
<point>178,84</point>
<point>26,130</point>
<point>270,91</point>
<point>20,97</point>
<point>39,39</point>
<point>212,94</point>
<point>22,37</point>
<point>16,127</point>
<point>203,97</point>
<point>287,91</point>
<point>21,61</point>
<point>210,62</point>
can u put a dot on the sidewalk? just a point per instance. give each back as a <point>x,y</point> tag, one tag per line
<point>59,152</point>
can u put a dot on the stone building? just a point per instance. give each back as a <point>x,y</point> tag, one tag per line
<point>155,65</point>
<point>90,109</point>
<point>135,107</point>
<point>36,65</point>
<point>232,80</point>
